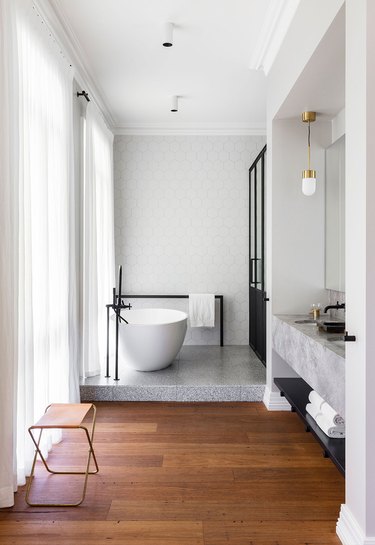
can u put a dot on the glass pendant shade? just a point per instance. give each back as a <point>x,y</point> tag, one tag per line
<point>308,182</point>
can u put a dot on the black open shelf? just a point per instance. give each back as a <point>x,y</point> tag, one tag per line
<point>296,391</point>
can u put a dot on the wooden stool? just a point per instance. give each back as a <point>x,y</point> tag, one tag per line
<point>63,416</point>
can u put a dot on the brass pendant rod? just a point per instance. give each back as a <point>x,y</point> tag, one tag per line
<point>308,146</point>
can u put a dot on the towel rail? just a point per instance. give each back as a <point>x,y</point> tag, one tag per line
<point>134,296</point>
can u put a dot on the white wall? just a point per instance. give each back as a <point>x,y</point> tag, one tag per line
<point>357,518</point>
<point>298,233</point>
<point>181,220</point>
<point>288,212</point>
<point>338,126</point>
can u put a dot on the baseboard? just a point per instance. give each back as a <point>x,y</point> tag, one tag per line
<point>349,531</point>
<point>274,401</point>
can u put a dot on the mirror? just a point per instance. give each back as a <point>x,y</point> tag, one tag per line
<point>335,216</point>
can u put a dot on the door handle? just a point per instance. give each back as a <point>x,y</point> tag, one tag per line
<point>349,338</point>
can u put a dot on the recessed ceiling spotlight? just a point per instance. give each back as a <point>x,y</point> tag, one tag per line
<point>168,35</point>
<point>174,103</point>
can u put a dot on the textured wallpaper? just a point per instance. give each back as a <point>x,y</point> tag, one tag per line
<point>181,222</point>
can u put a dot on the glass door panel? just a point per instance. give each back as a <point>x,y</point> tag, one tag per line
<point>252,228</point>
<point>257,294</point>
<point>259,226</point>
<point>264,164</point>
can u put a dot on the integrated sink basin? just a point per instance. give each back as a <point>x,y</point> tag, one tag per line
<point>332,326</point>
<point>313,322</point>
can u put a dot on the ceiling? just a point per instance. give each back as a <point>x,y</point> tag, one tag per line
<point>321,85</point>
<point>120,42</point>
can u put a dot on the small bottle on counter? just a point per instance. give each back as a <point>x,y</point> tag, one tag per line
<point>315,310</point>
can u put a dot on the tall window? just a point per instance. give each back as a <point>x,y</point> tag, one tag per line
<point>98,243</point>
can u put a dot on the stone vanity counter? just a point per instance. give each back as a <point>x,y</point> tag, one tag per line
<point>318,360</point>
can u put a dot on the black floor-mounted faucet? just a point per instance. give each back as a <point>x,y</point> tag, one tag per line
<point>337,306</point>
<point>118,303</point>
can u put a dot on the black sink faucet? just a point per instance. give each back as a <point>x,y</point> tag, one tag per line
<point>337,306</point>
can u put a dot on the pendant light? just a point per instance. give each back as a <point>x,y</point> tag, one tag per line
<point>174,103</point>
<point>168,35</point>
<point>309,175</point>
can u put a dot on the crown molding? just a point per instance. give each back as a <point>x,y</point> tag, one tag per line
<point>276,24</point>
<point>53,13</point>
<point>223,129</point>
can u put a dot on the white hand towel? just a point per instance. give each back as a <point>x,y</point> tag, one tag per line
<point>336,432</point>
<point>312,410</point>
<point>322,406</point>
<point>202,310</point>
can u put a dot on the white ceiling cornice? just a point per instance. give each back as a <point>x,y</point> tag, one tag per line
<point>279,16</point>
<point>55,17</point>
<point>223,129</point>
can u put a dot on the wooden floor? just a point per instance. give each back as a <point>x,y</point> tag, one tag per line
<point>187,474</point>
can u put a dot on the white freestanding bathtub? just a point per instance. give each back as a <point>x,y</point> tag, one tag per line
<point>152,338</point>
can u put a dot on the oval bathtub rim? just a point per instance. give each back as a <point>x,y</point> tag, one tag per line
<point>128,313</point>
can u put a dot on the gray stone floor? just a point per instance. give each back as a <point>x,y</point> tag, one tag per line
<point>200,373</point>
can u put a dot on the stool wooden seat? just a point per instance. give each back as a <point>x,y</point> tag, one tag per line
<point>63,416</point>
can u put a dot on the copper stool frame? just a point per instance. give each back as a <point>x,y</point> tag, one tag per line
<point>90,438</point>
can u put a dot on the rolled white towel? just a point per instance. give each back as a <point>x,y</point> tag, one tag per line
<point>322,406</point>
<point>312,410</point>
<point>333,416</point>
<point>336,432</point>
<point>316,399</point>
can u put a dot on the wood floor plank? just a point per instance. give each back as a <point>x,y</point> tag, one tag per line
<point>267,493</point>
<point>250,424</point>
<point>97,533</point>
<point>270,533</point>
<point>157,438</point>
<point>163,475</point>
<point>291,475</point>
<point>235,460</point>
<point>222,510</point>
<point>153,475</point>
<point>277,437</point>
<point>117,459</point>
<point>127,427</point>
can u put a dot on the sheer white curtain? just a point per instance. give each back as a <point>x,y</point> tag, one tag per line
<point>45,172</point>
<point>8,263</point>
<point>38,257</point>
<point>98,240</point>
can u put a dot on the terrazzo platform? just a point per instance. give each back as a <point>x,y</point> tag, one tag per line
<point>200,373</point>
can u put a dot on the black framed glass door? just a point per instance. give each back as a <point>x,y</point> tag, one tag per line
<point>257,247</point>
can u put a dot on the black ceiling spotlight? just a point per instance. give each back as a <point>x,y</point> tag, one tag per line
<point>168,35</point>
<point>174,103</point>
<point>84,94</point>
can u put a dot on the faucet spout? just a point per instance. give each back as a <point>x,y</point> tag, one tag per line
<point>337,306</point>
